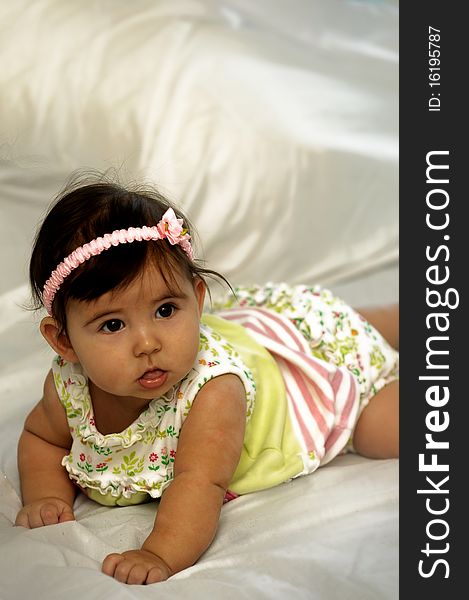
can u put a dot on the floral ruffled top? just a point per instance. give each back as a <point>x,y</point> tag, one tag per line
<point>137,463</point>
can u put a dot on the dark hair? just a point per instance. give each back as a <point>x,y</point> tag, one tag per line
<point>85,210</point>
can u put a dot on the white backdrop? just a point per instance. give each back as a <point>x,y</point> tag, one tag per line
<point>274,126</point>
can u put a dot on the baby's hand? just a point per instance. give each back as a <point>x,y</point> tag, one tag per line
<point>47,511</point>
<point>137,567</point>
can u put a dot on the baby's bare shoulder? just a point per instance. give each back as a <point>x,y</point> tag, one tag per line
<point>47,419</point>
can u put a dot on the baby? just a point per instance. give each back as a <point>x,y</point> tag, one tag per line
<point>149,398</point>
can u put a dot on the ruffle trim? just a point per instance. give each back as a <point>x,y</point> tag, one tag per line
<point>149,419</point>
<point>77,390</point>
<point>120,487</point>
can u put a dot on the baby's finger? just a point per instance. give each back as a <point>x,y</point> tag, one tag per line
<point>156,574</point>
<point>22,519</point>
<point>35,518</point>
<point>66,515</point>
<point>49,514</point>
<point>122,570</point>
<point>110,563</point>
<point>137,574</point>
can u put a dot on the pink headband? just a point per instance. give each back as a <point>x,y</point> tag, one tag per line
<point>169,228</point>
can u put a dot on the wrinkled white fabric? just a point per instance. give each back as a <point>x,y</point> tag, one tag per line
<point>193,95</point>
<point>274,125</point>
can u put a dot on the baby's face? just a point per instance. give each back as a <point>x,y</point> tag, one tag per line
<point>138,342</point>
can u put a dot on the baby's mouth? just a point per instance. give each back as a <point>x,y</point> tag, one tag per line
<point>153,378</point>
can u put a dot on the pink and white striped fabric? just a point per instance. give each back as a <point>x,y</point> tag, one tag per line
<point>323,399</point>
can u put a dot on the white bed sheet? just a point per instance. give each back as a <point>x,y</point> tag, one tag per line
<point>275,125</point>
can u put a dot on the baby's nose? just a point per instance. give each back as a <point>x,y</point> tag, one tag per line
<point>146,341</point>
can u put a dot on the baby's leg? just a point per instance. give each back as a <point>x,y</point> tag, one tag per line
<point>376,434</point>
<point>377,431</point>
<point>386,320</point>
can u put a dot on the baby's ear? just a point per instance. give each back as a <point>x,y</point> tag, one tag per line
<point>200,288</point>
<point>57,339</point>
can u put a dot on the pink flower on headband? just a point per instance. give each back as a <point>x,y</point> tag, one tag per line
<point>169,228</point>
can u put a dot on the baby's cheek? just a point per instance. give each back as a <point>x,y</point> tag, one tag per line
<point>185,362</point>
<point>188,345</point>
<point>110,377</point>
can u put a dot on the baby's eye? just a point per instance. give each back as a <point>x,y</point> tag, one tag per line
<point>112,326</point>
<point>165,311</point>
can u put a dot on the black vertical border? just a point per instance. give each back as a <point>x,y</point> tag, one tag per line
<point>423,131</point>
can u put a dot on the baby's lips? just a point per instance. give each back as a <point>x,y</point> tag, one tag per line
<point>152,374</point>
<point>153,378</point>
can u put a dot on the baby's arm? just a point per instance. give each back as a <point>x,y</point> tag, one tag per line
<point>47,491</point>
<point>208,453</point>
